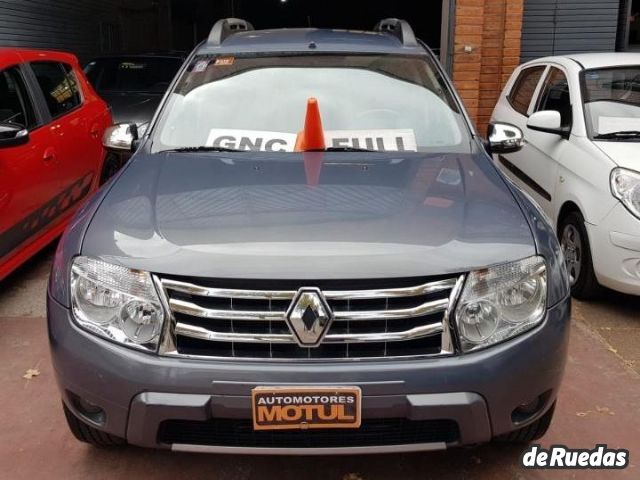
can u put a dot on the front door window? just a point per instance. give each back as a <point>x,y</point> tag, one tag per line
<point>15,104</point>
<point>555,96</point>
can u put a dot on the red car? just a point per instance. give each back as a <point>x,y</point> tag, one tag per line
<point>51,154</point>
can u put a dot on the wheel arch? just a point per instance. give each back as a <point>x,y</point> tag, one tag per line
<point>568,207</point>
<point>586,285</point>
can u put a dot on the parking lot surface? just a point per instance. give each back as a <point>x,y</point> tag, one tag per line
<point>599,403</point>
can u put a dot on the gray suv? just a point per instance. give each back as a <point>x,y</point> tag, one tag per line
<point>310,252</point>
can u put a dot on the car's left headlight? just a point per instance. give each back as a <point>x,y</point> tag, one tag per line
<point>501,302</point>
<point>625,186</point>
<point>116,302</point>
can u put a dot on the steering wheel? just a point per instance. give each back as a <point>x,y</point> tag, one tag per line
<point>629,87</point>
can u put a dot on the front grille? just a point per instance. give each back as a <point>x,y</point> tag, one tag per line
<point>247,319</point>
<point>373,432</point>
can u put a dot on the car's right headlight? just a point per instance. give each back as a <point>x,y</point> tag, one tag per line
<point>501,302</point>
<point>625,186</point>
<point>116,302</point>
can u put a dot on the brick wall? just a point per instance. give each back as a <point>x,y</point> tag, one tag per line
<point>487,49</point>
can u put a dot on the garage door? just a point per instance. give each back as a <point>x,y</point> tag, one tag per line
<point>557,27</point>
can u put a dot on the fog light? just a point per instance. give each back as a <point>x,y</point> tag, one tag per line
<point>88,410</point>
<point>528,410</point>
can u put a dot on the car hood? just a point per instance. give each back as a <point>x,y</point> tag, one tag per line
<point>135,108</point>
<point>623,154</point>
<point>311,216</point>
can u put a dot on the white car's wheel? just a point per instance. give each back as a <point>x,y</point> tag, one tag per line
<point>577,254</point>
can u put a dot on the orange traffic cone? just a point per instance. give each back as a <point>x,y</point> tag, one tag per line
<point>312,137</point>
<point>313,167</point>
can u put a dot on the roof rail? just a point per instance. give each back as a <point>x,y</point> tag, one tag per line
<point>226,27</point>
<point>398,28</point>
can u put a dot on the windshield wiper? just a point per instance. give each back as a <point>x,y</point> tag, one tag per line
<point>618,135</point>
<point>202,149</point>
<point>343,149</point>
<point>225,149</point>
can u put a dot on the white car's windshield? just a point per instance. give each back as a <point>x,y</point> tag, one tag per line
<point>612,103</point>
<point>249,103</point>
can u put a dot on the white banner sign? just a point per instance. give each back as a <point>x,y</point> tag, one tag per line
<point>392,140</point>
<point>252,140</point>
<point>378,140</point>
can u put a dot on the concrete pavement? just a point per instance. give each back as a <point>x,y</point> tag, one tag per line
<point>599,403</point>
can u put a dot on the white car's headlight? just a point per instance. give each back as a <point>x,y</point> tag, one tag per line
<point>501,302</point>
<point>625,186</point>
<point>116,302</point>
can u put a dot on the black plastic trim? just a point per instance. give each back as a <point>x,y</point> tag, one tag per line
<point>530,182</point>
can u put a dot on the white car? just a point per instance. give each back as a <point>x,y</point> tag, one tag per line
<point>580,116</point>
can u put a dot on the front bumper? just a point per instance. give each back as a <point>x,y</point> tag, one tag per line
<point>615,249</point>
<point>478,391</point>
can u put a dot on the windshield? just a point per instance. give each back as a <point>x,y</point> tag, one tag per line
<point>133,74</point>
<point>612,103</point>
<point>259,103</point>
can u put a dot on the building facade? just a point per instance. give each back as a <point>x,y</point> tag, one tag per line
<point>494,36</point>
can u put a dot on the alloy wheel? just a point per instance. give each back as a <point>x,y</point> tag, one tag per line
<point>571,243</point>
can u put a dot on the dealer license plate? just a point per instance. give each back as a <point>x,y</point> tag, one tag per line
<point>292,408</point>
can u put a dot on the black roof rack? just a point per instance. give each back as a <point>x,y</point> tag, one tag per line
<point>398,28</point>
<point>226,27</point>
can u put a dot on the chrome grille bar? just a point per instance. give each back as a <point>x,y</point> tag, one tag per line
<point>188,308</point>
<point>424,289</point>
<point>425,309</point>
<point>236,321</point>
<point>192,289</point>
<point>205,334</point>
<point>414,291</point>
<point>428,308</point>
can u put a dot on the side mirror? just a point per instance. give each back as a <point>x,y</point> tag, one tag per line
<point>505,138</point>
<point>12,135</point>
<point>120,137</point>
<point>548,121</point>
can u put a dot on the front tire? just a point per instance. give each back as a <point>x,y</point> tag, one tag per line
<point>88,434</point>
<point>531,432</point>
<point>577,253</point>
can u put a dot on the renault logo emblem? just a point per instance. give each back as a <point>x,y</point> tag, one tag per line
<point>309,317</point>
